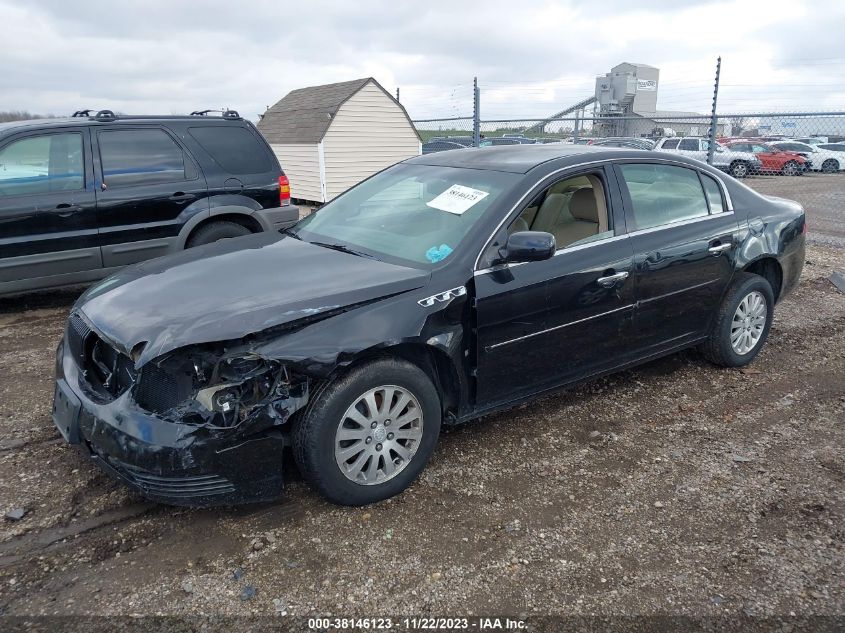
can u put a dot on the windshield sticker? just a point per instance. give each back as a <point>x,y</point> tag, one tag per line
<point>458,199</point>
<point>438,253</point>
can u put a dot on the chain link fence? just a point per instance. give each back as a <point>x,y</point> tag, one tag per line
<point>768,150</point>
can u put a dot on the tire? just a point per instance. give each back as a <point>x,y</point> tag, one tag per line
<point>719,348</point>
<point>213,231</point>
<point>790,168</point>
<point>830,165</point>
<point>739,169</point>
<point>338,467</point>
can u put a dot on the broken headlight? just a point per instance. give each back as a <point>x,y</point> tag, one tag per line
<point>236,385</point>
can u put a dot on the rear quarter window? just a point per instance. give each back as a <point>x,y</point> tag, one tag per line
<point>235,149</point>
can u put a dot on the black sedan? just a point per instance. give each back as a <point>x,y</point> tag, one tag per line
<point>439,290</point>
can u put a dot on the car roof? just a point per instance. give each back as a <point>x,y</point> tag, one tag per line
<point>520,159</point>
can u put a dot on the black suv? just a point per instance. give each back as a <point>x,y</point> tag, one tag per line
<point>83,196</point>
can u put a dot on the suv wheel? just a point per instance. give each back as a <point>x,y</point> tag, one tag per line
<point>213,231</point>
<point>742,323</point>
<point>739,169</point>
<point>366,435</point>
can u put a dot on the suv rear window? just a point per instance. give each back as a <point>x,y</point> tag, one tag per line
<point>140,157</point>
<point>689,143</point>
<point>671,143</point>
<point>235,149</point>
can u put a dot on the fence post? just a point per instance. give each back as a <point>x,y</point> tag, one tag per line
<point>397,93</point>
<point>575,130</point>
<point>712,132</point>
<point>476,114</point>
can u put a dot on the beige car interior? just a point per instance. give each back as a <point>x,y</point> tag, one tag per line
<point>573,210</point>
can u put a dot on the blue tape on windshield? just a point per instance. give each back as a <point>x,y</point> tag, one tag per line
<point>438,253</point>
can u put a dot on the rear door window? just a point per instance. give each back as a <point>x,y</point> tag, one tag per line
<point>663,194</point>
<point>42,164</point>
<point>714,194</point>
<point>140,157</point>
<point>689,144</point>
<point>235,149</point>
<point>671,143</point>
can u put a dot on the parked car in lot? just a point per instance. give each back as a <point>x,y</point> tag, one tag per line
<point>82,197</point>
<point>618,142</point>
<point>634,142</point>
<point>773,160</point>
<point>446,287</point>
<point>823,160</point>
<point>466,141</point>
<point>812,140</point>
<point>440,146</point>
<point>546,141</point>
<point>833,147</point>
<point>737,164</point>
<point>492,141</point>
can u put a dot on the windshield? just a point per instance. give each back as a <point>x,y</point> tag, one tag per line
<point>410,213</point>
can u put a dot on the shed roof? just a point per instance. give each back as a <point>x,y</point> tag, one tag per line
<point>304,115</point>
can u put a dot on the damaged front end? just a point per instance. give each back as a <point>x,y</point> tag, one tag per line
<point>237,393</point>
<point>204,424</point>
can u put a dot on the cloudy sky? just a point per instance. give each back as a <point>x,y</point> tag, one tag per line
<point>531,58</point>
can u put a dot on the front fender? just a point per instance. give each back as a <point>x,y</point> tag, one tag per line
<point>322,348</point>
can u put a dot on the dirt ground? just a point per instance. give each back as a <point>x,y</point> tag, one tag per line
<point>674,489</point>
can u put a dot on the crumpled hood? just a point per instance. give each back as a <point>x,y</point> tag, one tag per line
<point>232,288</point>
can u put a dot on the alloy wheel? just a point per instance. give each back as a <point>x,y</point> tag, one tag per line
<point>748,323</point>
<point>830,166</point>
<point>790,169</point>
<point>378,435</point>
<point>739,170</point>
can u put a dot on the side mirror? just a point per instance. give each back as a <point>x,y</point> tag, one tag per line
<point>528,246</point>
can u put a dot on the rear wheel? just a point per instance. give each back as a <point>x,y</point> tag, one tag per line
<point>742,323</point>
<point>739,169</point>
<point>791,168</point>
<point>367,435</point>
<point>830,165</point>
<point>213,231</point>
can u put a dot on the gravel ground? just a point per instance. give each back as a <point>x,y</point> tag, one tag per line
<point>674,489</point>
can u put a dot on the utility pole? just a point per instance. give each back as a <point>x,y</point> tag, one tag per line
<point>712,134</point>
<point>476,115</point>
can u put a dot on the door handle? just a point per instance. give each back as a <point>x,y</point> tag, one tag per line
<point>611,280</point>
<point>718,249</point>
<point>65,210</point>
<point>182,197</point>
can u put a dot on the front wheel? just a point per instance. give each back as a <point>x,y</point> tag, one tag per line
<point>830,165</point>
<point>791,168</point>
<point>742,323</point>
<point>739,169</point>
<point>366,435</point>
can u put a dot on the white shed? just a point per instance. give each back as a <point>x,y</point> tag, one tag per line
<point>331,137</point>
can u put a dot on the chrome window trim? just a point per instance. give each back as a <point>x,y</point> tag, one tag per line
<point>671,225</point>
<point>650,159</point>
<point>557,327</point>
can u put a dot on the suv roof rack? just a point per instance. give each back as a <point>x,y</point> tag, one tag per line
<point>105,115</point>
<point>226,114</point>
<point>81,113</point>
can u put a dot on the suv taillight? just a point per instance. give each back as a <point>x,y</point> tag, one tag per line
<point>284,191</point>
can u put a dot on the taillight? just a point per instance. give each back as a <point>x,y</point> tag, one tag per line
<point>284,191</point>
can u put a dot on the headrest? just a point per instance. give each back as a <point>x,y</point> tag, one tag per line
<point>583,207</point>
